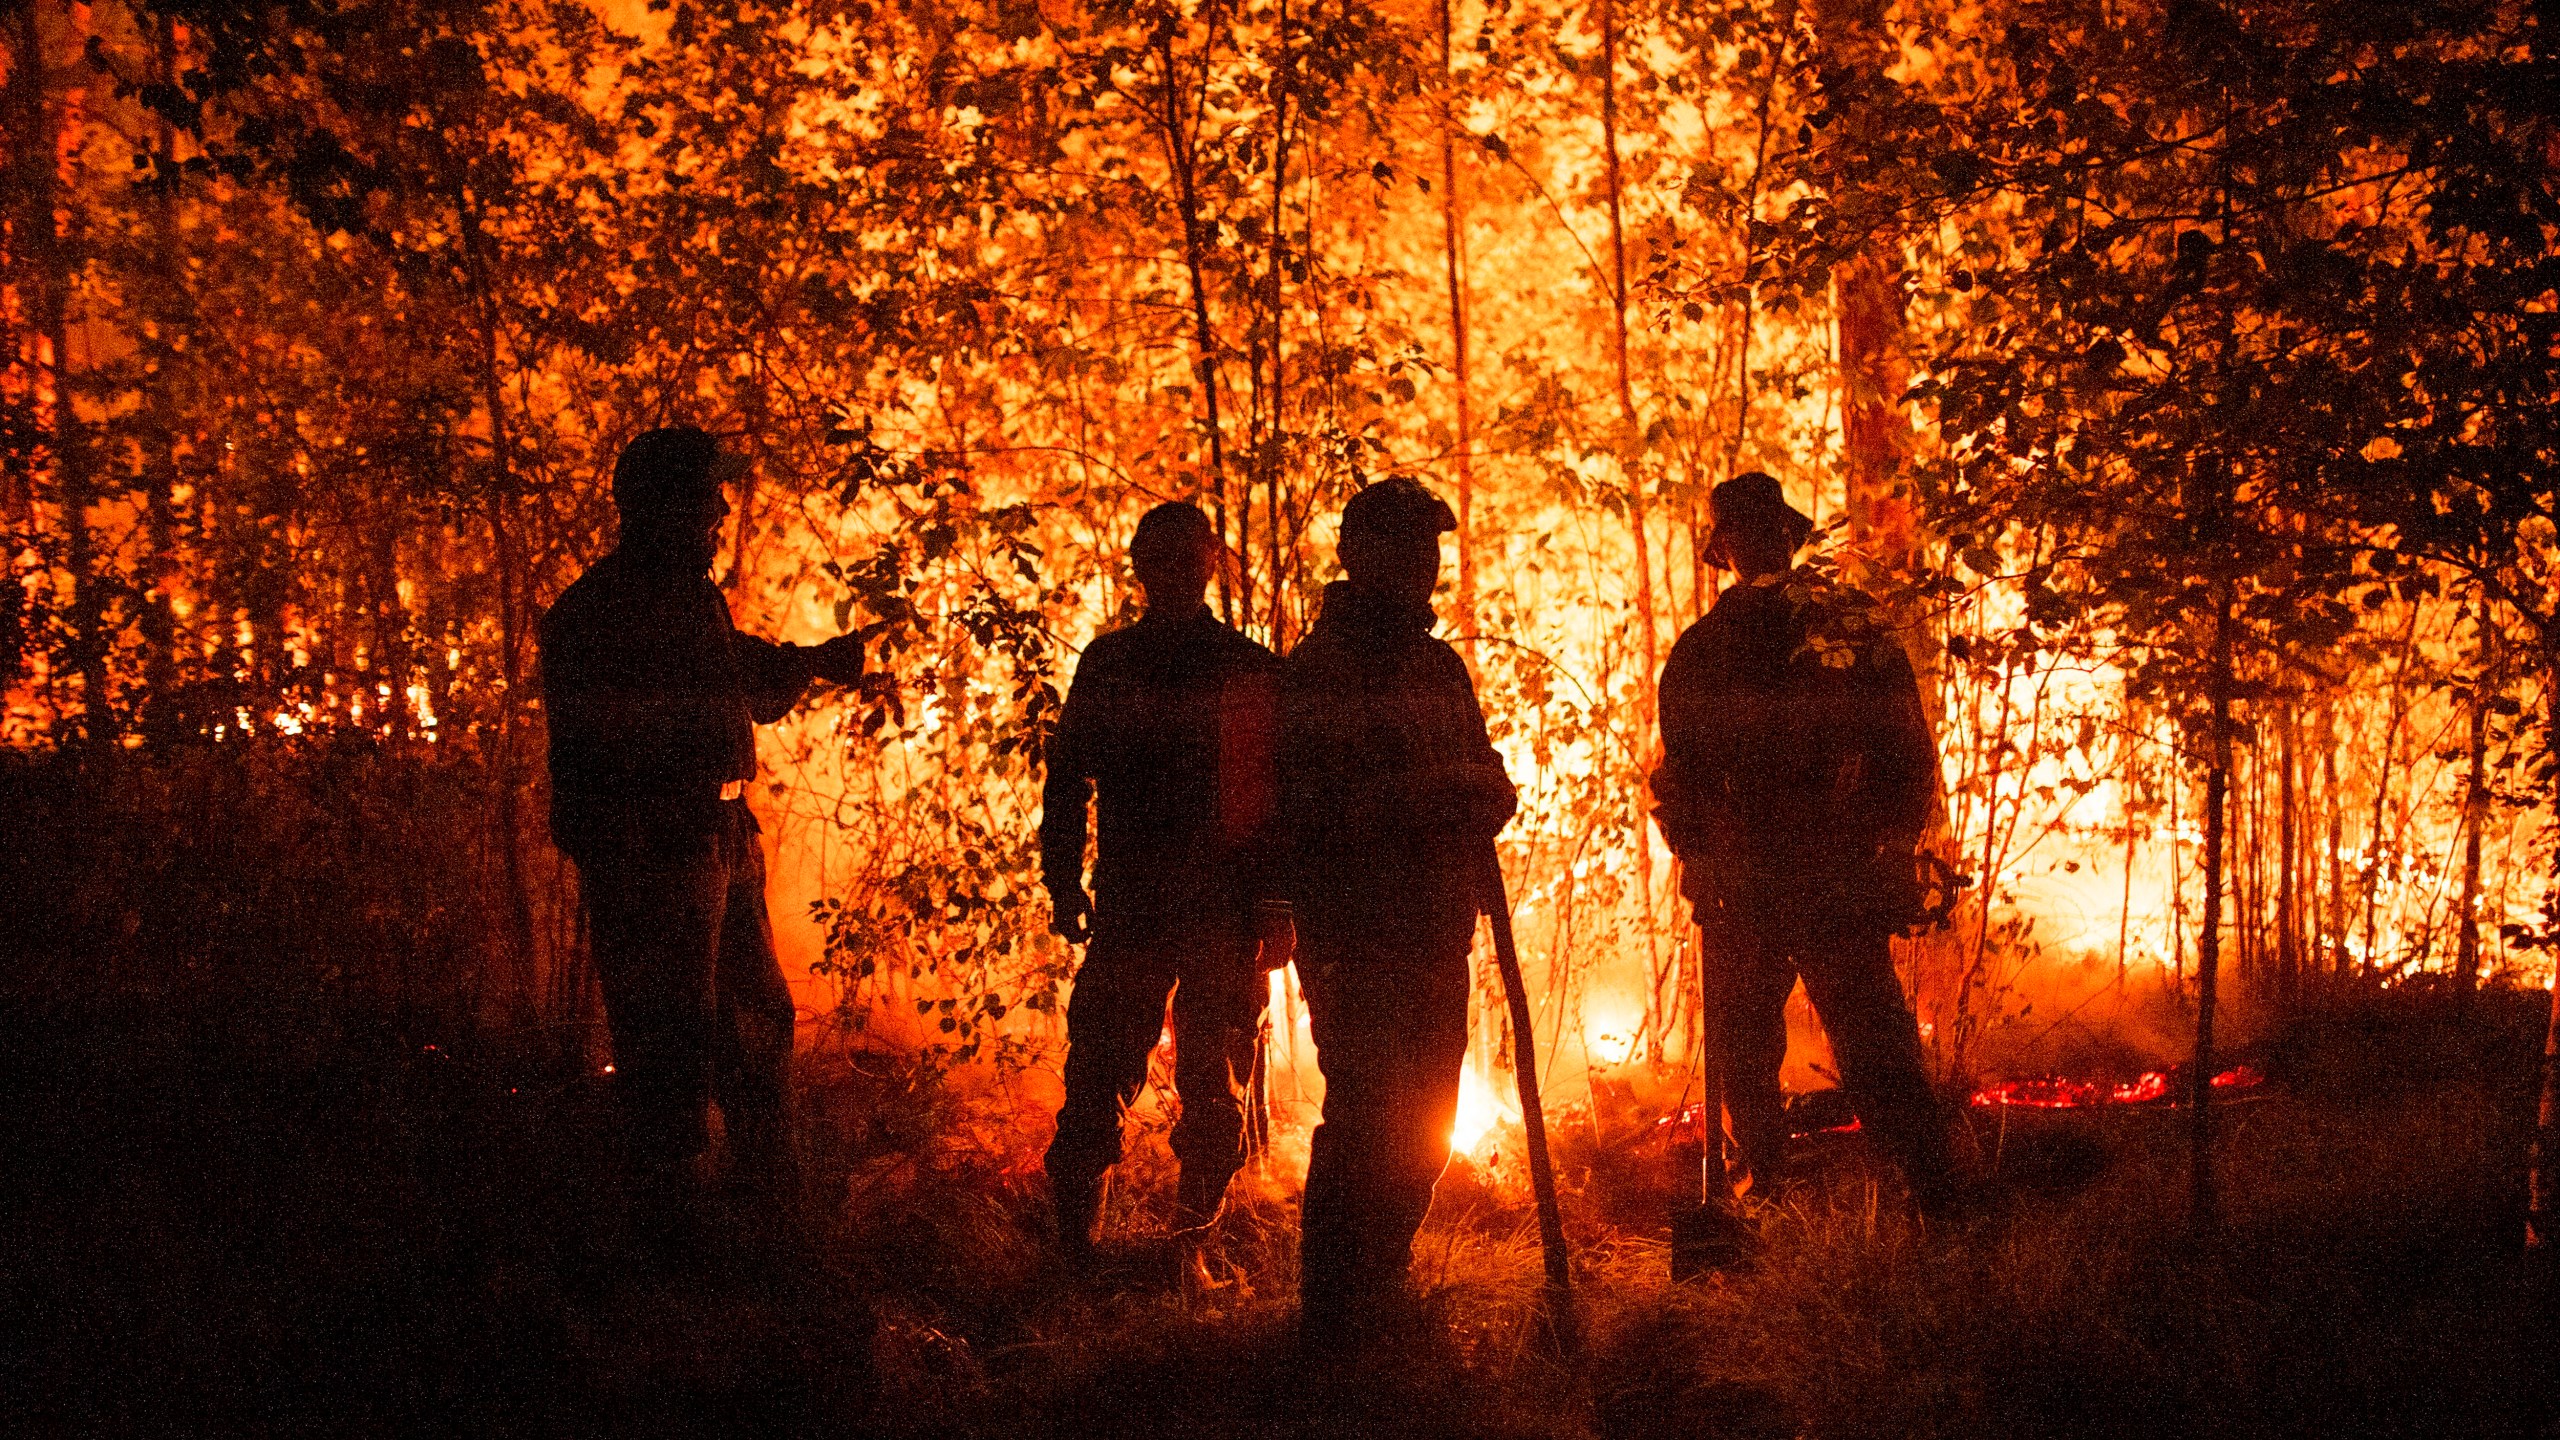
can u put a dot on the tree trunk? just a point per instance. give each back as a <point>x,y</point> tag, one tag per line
<point>2334,911</point>
<point>1874,370</point>
<point>1751,258</point>
<point>1452,249</point>
<point>507,543</point>
<point>1179,162</point>
<point>2288,864</point>
<point>1631,433</point>
<point>49,265</point>
<point>1873,374</point>
<point>2251,932</point>
<point>1271,447</point>
<point>2542,1206</point>
<point>2126,783</point>
<point>2177,885</point>
<point>2382,790</point>
<point>2242,868</point>
<point>160,479</point>
<point>2217,783</point>
<point>1630,444</point>
<point>392,658</point>
<point>25,119</point>
<point>2475,815</point>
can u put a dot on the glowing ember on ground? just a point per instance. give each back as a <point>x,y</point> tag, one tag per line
<point>2152,1086</point>
<point>2057,1092</point>
<point>2052,1093</point>
<point>1823,1116</point>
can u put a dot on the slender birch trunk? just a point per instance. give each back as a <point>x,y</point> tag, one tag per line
<point>1631,433</point>
<point>2177,884</point>
<point>1453,258</point>
<point>1181,161</point>
<point>1630,443</point>
<point>2288,864</point>
<point>2200,1194</point>
<point>2382,789</point>
<point>160,568</point>
<point>507,543</point>
<point>2542,1206</point>
<point>2125,783</point>
<point>2475,815</point>
<point>2334,913</point>
<point>1271,447</point>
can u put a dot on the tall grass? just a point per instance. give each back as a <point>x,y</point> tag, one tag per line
<point>2364,1282</point>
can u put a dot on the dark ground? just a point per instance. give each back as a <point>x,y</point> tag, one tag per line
<point>207,1239</point>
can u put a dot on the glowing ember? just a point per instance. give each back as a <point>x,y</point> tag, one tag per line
<point>2050,1093</point>
<point>2152,1086</point>
<point>2057,1092</point>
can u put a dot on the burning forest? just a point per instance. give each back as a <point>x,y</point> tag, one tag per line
<point>2144,417</point>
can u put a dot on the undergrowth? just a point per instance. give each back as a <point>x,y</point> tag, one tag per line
<point>393,1237</point>
<point>2363,1280</point>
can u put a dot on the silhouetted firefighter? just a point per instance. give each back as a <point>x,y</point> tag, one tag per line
<point>1797,777</point>
<point>1390,795</point>
<point>653,697</point>
<point>1168,728</point>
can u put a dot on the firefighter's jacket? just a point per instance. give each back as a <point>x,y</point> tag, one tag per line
<point>653,697</point>
<point>1795,748</point>
<point>1167,728</point>
<point>1390,792</point>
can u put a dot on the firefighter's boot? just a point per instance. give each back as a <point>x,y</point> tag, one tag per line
<point>1079,1204</point>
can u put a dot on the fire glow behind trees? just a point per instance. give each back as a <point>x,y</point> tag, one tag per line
<point>324,327</point>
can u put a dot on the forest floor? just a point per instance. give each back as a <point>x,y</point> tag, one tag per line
<point>398,1242</point>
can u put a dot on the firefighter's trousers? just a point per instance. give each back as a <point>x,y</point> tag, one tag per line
<point>1391,1038</point>
<point>1848,973</point>
<point>1115,1016</point>
<point>692,992</point>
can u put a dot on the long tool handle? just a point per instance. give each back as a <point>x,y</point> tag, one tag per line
<point>1715,1170</point>
<point>1533,1119</point>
